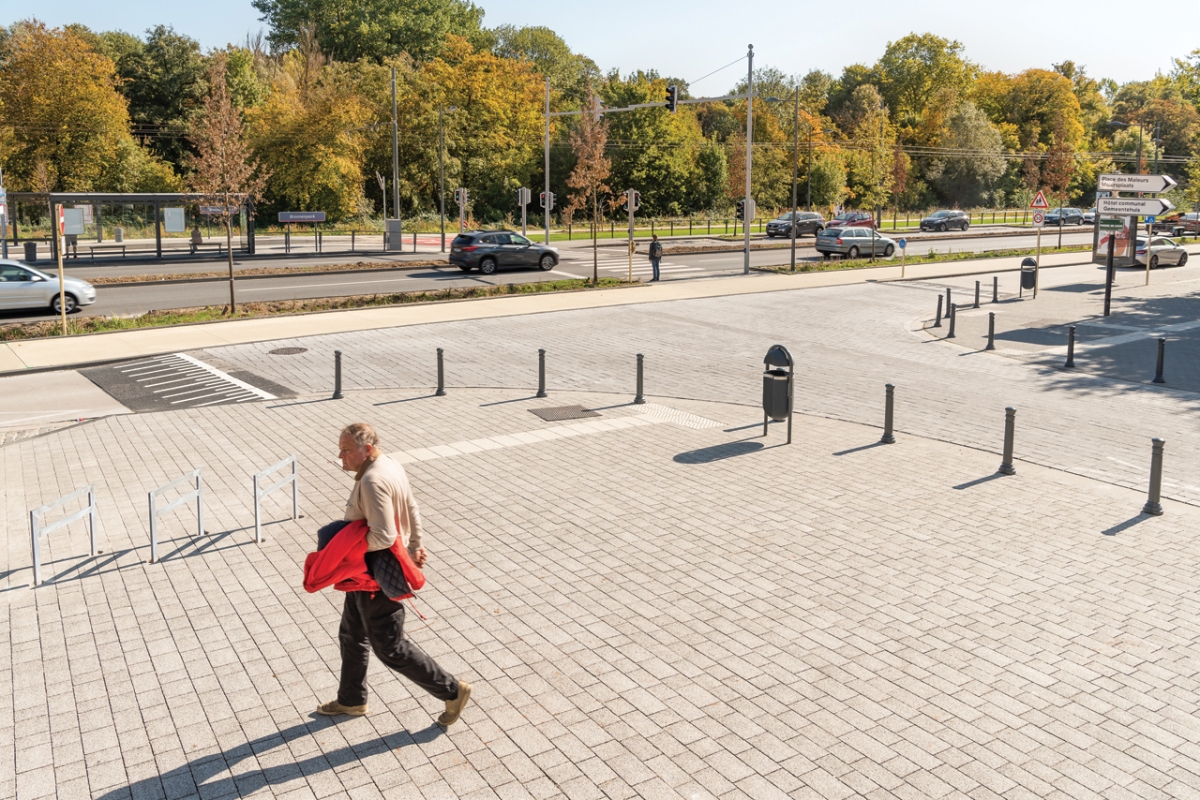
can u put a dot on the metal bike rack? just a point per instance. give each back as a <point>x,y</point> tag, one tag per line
<point>260,493</point>
<point>37,531</point>
<point>197,493</point>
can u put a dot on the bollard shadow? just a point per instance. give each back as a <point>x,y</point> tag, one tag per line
<point>405,400</point>
<point>302,402</point>
<point>978,481</point>
<point>859,449</point>
<point>516,400</point>
<point>719,452</point>
<point>746,427</point>
<point>1126,525</point>
<point>213,775</point>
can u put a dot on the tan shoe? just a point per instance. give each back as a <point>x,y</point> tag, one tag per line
<point>454,708</point>
<point>333,709</point>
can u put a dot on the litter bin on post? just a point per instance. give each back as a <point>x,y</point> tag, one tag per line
<point>777,387</point>
<point>1028,275</point>
<point>119,234</point>
<point>30,252</point>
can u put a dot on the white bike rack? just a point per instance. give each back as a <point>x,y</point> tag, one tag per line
<point>37,531</point>
<point>197,494</point>
<point>260,493</point>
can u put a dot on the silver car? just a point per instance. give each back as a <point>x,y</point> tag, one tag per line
<point>1162,251</point>
<point>22,286</point>
<point>853,242</point>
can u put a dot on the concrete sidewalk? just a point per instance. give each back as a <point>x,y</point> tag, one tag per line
<point>75,350</point>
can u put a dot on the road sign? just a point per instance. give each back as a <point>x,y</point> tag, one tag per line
<point>903,243</point>
<point>1111,223</point>
<point>1137,183</point>
<point>1039,219</point>
<point>1039,202</point>
<point>1151,220</point>
<point>62,221</point>
<point>301,216</point>
<point>1133,206</point>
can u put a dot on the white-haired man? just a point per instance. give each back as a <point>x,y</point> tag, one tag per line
<point>371,621</point>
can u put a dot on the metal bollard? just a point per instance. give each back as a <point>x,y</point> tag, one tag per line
<point>953,315</point>
<point>888,407</point>
<point>976,295</point>
<point>1010,425</point>
<point>991,345</point>
<point>995,288</point>
<point>937,323</point>
<point>441,390</point>
<point>1071,348</point>
<point>541,392</point>
<point>947,301</point>
<point>1153,507</point>
<point>639,399</point>
<point>337,374</point>
<point>1158,371</point>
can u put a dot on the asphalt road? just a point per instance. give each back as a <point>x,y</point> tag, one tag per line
<point>576,262</point>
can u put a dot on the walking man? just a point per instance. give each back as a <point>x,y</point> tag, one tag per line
<point>371,621</point>
<point>655,255</point>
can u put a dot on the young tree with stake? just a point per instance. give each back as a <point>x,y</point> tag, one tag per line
<point>591,170</point>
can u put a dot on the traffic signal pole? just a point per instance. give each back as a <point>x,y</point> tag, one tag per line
<point>546,207</point>
<point>749,149</point>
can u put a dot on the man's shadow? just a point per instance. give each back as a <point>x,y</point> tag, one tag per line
<point>188,779</point>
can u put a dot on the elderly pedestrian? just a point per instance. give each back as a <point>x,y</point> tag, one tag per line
<point>371,621</point>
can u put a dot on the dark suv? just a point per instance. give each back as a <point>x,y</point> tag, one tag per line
<point>491,250</point>
<point>806,222</point>
<point>945,220</point>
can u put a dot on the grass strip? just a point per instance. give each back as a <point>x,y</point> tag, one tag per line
<point>932,258</point>
<point>186,316</point>
<point>252,272</point>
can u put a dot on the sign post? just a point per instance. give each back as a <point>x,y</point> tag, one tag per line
<point>633,199</point>
<point>903,250</point>
<point>1039,206</point>
<point>3,218</point>
<point>523,198</point>
<point>62,288</point>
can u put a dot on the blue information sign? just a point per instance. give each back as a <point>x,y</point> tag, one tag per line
<point>903,243</point>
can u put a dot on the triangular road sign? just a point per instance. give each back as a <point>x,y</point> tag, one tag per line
<point>1039,202</point>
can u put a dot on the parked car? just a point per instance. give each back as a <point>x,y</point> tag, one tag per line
<point>853,242</point>
<point>806,222</point>
<point>1163,251</point>
<point>22,286</point>
<point>945,220</point>
<point>491,250</point>
<point>1089,217</point>
<point>1069,216</point>
<point>1176,223</point>
<point>852,219</point>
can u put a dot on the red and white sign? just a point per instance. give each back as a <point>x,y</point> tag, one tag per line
<point>1040,202</point>
<point>1039,219</point>
<point>62,221</point>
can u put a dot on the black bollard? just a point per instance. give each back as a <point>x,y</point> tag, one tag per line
<point>441,390</point>
<point>337,374</point>
<point>937,323</point>
<point>995,288</point>
<point>991,345</point>
<point>1071,348</point>
<point>953,316</point>
<point>888,407</point>
<point>1153,505</point>
<point>1158,371</point>
<point>1010,426</point>
<point>638,398</point>
<point>541,392</point>
<point>947,301</point>
<point>976,295</point>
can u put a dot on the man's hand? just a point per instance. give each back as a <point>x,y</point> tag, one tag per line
<point>420,557</point>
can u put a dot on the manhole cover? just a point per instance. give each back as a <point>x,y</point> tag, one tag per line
<point>289,351</point>
<point>563,412</point>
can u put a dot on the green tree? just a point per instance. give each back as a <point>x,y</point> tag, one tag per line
<point>965,176</point>
<point>917,67</point>
<point>592,168</point>
<point>568,73</point>
<point>164,83</point>
<point>348,30</point>
<point>828,180</point>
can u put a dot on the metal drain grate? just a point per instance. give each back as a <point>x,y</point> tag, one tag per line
<point>288,351</point>
<point>563,412</point>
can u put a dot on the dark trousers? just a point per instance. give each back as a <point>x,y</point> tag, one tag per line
<point>654,266</point>
<point>371,621</point>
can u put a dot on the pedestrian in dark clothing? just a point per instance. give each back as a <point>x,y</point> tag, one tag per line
<point>372,621</point>
<point>655,255</point>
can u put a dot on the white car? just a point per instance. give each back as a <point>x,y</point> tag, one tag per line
<point>1162,251</point>
<point>22,286</point>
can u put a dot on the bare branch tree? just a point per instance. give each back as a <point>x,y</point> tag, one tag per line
<point>591,170</point>
<point>225,176</point>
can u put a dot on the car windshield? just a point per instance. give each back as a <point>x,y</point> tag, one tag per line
<point>845,217</point>
<point>784,218</point>
<point>462,239</point>
<point>831,233</point>
<point>516,238</point>
<point>940,214</point>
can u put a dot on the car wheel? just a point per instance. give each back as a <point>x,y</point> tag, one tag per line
<point>487,266</point>
<point>464,268</point>
<point>71,304</point>
<point>817,230</point>
<point>942,228</point>
<point>887,251</point>
<point>965,226</point>
<point>852,252</point>
<point>546,262</point>
<point>1182,259</point>
<point>1153,262</point>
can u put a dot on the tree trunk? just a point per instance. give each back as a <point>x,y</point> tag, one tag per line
<point>229,252</point>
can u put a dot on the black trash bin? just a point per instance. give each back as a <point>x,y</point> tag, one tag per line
<point>31,251</point>
<point>1028,273</point>
<point>777,387</point>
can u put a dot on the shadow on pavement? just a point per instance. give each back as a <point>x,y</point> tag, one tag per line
<point>858,449</point>
<point>978,481</point>
<point>186,780</point>
<point>707,455</point>
<point>1126,525</point>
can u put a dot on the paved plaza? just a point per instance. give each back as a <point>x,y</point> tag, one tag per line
<point>655,602</point>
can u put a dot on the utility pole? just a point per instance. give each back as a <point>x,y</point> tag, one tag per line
<point>442,170</point>
<point>795,173</point>
<point>749,149</point>
<point>546,207</point>
<point>808,175</point>
<point>395,153</point>
<point>4,218</point>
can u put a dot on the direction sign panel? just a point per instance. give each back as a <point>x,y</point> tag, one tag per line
<point>1039,219</point>
<point>1133,206</point>
<point>1111,223</point>
<point>1039,202</point>
<point>301,216</point>
<point>1136,183</point>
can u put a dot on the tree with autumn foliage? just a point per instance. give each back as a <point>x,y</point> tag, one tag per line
<point>592,168</point>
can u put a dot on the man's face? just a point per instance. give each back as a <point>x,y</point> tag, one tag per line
<point>353,456</point>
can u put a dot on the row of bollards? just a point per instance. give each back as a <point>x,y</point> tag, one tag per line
<point>639,397</point>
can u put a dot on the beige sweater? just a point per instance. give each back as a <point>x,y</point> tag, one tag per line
<point>383,497</point>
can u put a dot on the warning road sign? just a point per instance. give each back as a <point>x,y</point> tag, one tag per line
<point>1039,202</point>
<point>1039,219</point>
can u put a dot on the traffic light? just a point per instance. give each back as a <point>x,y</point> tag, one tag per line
<point>542,197</point>
<point>633,199</point>
<point>523,196</point>
<point>741,209</point>
<point>672,98</point>
<point>460,196</point>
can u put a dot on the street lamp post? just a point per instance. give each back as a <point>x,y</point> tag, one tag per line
<point>442,168</point>
<point>395,151</point>
<point>749,149</point>
<point>795,171</point>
